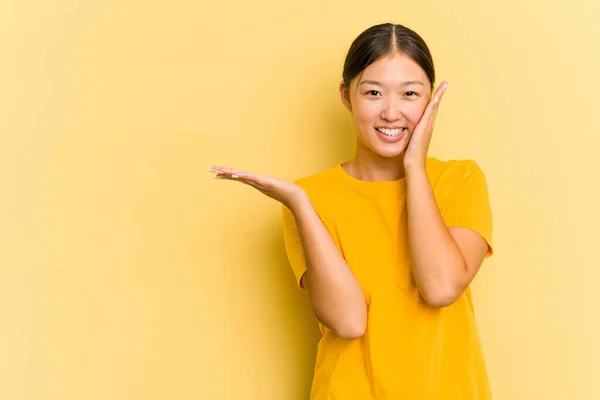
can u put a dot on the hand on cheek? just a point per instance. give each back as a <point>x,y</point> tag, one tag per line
<point>418,146</point>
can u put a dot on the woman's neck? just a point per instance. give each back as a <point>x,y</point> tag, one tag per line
<point>375,168</point>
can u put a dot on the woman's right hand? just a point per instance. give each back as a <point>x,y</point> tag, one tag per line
<point>336,297</point>
<point>287,193</point>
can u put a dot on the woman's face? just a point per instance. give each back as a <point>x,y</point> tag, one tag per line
<point>387,101</point>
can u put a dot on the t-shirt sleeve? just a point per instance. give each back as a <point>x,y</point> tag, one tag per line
<point>469,206</point>
<point>293,245</point>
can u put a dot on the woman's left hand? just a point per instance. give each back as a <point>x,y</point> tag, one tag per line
<point>418,146</point>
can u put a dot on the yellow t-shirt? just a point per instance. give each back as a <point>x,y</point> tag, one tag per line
<point>410,351</point>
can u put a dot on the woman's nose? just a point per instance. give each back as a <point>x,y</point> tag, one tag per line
<point>391,111</point>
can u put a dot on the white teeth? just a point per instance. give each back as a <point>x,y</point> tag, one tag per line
<point>390,132</point>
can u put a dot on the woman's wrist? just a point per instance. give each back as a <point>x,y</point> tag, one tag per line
<point>415,170</point>
<point>300,202</point>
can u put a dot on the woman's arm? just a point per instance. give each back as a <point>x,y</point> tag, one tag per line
<point>445,260</point>
<point>335,294</point>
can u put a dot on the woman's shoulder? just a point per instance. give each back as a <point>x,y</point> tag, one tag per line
<point>451,169</point>
<point>325,188</point>
<point>454,164</point>
<point>321,180</point>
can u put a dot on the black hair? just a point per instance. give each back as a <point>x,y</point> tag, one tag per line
<point>384,39</point>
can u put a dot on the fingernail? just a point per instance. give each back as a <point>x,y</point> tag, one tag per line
<point>234,176</point>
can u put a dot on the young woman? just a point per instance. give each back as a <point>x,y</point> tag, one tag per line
<point>387,243</point>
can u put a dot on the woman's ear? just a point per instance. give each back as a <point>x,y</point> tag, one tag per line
<point>345,94</point>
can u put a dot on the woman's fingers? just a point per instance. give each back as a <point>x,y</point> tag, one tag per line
<point>228,171</point>
<point>255,180</point>
<point>430,113</point>
<point>437,96</point>
<point>232,173</point>
<point>231,177</point>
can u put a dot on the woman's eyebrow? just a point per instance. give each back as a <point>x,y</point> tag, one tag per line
<point>377,83</point>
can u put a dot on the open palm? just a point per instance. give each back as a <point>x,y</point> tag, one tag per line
<point>284,192</point>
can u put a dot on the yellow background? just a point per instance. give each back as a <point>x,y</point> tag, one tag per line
<point>126,272</point>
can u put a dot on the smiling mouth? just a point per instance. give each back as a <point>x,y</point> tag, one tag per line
<point>391,132</point>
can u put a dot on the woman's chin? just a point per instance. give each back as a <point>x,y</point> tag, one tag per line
<point>385,150</point>
<point>388,151</point>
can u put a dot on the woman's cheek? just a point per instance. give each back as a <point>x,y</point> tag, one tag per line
<point>415,112</point>
<point>366,115</point>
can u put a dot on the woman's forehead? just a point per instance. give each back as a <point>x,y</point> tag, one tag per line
<point>393,65</point>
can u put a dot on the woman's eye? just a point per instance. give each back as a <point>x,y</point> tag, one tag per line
<point>410,94</point>
<point>373,92</point>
